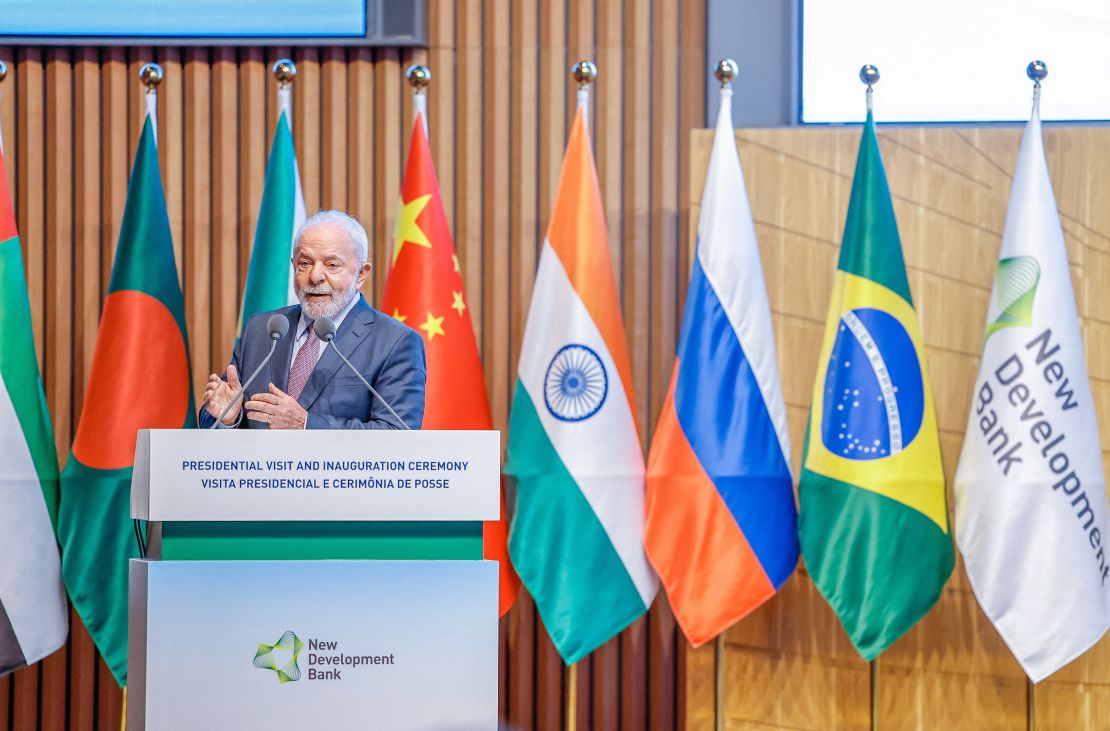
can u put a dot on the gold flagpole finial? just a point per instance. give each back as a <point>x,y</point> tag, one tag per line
<point>151,74</point>
<point>284,70</point>
<point>419,77</point>
<point>726,72</point>
<point>585,73</point>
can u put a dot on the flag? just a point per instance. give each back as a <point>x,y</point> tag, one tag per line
<point>140,379</point>
<point>281,215</point>
<point>721,525</point>
<point>33,613</point>
<point>873,518</point>
<point>1030,493</point>
<point>425,290</point>
<point>573,450</point>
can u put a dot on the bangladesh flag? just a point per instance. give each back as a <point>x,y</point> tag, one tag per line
<point>873,521</point>
<point>33,614</point>
<point>270,273</point>
<point>140,380</point>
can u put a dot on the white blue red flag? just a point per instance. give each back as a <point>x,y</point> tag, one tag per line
<point>721,524</point>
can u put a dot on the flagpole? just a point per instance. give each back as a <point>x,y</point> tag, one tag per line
<point>151,75</point>
<point>1036,71</point>
<point>726,71</point>
<point>284,71</point>
<point>719,683</point>
<point>1030,706</point>
<point>572,696</point>
<point>869,75</point>
<point>874,673</point>
<point>585,73</point>
<point>3,75</point>
<point>419,77</point>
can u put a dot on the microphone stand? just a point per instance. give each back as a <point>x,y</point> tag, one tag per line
<point>324,327</point>
<point>366,383</point>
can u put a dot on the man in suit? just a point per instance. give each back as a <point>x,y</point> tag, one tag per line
<point>309,387</point>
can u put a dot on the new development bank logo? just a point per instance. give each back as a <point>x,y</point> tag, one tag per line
<point>1015,286</point>
<point>281,657</point>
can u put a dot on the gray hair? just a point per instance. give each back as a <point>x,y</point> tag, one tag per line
<point>356,234</point>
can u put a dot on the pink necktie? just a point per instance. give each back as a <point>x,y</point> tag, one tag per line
<point>303,364</point>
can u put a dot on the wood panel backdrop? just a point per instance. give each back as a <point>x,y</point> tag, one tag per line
<point>499,110</point>
<point>789,665</point>
<point>499,106</point>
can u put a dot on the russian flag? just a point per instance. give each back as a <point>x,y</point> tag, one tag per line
<point>721,525</point>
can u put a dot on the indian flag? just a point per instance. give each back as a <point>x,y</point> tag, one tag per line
<point>577,533</point>
<point>32,601</point>
<point>270,273</point>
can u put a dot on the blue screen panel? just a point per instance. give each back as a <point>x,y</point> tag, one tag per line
<point>193,18</point>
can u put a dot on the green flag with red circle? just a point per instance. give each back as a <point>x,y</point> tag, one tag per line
<point>140,379</point>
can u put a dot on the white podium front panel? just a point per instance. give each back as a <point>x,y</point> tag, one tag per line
<point>313,645</point>
<point>256,474</point>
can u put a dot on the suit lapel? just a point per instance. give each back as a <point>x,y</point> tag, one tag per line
<point>279,364</point>
<point>356,326</point>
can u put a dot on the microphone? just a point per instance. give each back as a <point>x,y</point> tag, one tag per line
<point>324,327</point>
<point>277,327</point>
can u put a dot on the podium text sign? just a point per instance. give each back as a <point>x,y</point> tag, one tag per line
<point>331,641</point>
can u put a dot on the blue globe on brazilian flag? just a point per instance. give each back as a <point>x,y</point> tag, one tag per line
<point>874,397</point>
<point>873,519</point>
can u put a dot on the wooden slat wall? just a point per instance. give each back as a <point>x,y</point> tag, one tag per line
<point>790,665</point>
<point>500,108</point>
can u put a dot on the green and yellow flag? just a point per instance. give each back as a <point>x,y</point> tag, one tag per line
<point>140,380</point>
<point>873,520</point>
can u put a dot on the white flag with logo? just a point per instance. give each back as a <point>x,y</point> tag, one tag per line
<point>1031,510</point>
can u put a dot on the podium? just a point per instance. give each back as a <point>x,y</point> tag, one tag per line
<point>313,579</point>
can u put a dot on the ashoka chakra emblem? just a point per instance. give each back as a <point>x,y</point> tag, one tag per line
<point>576,383</point>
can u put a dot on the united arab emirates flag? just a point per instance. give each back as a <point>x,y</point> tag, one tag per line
<point>33,615</point>
<point>873,520</point>
<point>140,379</point>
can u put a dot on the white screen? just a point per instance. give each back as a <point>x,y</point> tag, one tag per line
<point>955,60</point>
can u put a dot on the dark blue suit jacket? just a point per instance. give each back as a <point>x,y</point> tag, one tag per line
<point>388,354</point>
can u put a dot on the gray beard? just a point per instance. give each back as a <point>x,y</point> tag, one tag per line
<point>329,308</point>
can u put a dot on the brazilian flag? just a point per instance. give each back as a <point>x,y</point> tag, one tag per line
<point>140,380</point>
<point>873,519</point>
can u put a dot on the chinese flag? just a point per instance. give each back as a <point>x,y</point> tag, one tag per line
<point>424,290</point>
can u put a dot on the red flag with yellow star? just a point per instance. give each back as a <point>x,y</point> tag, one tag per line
<point>424,290</point>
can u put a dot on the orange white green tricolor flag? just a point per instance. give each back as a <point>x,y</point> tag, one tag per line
<point>577,533</point>
<point>424,290</point>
